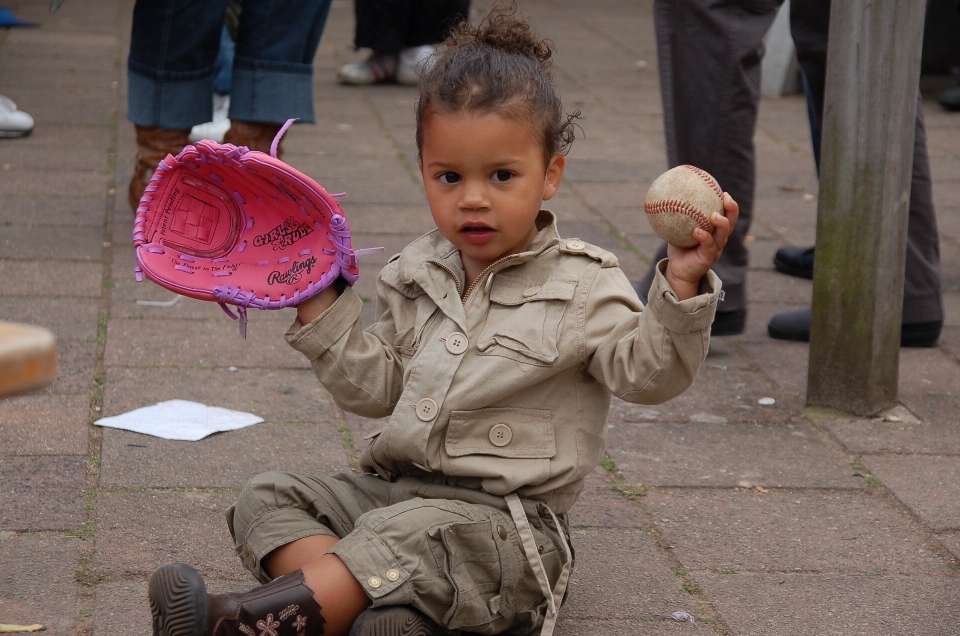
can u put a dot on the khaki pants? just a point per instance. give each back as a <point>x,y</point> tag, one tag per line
<point>453,553</point>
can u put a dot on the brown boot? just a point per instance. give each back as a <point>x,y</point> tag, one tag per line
<point>395,620</point>
<point>181,607</point>
<point>255,135</point>
<point>153,144</point>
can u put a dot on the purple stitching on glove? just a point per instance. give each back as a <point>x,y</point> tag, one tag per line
<point>155,250</point>
<point>216,177</point>
<point>285,259</point>
<point>183,269</point>
<point>242,247</point>
<point>304,252</point>
<point>263,263</point>
<point>220,260</point>
<point>239,198</point>
<point>188,258</point>
<point>250,223</point>
<point>218,274</point>
<point>138,274</point>
<point>337,195</point>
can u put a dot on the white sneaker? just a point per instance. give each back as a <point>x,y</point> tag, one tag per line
<point>13,122</point>
<point>379,67</point>
<point>413,62</point>
<point>216,129</point>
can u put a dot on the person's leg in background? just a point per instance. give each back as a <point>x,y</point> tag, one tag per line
<point>273,68</point>
<point>401,34</point>
<point>922,292</point>
<point>170,69</point>
<point>709,55</point>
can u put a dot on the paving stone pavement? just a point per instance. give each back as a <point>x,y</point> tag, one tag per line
<point>753,519</point>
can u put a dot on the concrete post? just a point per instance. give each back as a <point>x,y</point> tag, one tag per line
<point>873,70</point>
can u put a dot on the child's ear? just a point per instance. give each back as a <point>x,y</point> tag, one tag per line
<point>551,181</point>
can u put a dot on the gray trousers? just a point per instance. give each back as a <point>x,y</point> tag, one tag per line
<point>709,53</point>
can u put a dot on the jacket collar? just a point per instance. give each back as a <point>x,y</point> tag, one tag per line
<point>432,251</point>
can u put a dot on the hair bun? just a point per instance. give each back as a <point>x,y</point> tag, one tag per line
<point>503,30</point>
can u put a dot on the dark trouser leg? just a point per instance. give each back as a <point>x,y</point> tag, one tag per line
<point>709,54</point>
<point>388,26</point>
<point>922,297</point>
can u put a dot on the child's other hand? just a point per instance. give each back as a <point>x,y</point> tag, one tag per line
<point>688,265</point>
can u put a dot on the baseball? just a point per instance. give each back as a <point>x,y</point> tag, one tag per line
<point>681,199</point>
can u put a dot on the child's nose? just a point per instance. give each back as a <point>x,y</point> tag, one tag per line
<point>474,197</point>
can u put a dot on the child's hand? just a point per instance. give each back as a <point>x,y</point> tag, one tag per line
<point>688,265</point>
<point>309,309</point>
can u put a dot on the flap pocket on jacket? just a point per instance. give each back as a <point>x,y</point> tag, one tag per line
<point>524,319</point>
<point>502,432</point>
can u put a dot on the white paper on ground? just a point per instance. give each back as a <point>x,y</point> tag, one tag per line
<point>180,419</point>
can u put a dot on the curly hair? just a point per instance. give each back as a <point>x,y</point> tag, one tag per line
<point>499,66</point>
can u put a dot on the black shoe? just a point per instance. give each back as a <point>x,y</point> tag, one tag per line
<point>794,261</point>
<point>395,620</point>
<point>950,99</point>
<point>729,323</point>
<point>795,325</point>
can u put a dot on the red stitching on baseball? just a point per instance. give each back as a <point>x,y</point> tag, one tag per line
<point>680,207</point>
<point>710,181</point>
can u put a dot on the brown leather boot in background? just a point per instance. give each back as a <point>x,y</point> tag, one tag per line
<point>181,606</point>
<point>255,135</point>
<point>153,144</point>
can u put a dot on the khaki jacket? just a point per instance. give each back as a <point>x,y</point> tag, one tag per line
<point>506,386</point>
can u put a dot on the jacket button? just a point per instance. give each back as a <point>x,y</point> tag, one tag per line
<point>502,532</point>
<point>374,582</point>
<point>576,245</point>
<point>532,291</point>
<point>500,435</point>
<point>427,409</point>
<point>392,574</point>
<point>457,343</point>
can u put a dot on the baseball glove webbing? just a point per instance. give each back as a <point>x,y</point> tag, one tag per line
<point>239,227</point>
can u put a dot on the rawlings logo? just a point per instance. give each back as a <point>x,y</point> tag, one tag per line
<point>294,274</point>
<point>284,235</point>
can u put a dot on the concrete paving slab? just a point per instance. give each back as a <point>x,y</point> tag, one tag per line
<point>76,366</point>
<point>37,583</point>
<point>277,395</point>
<point>952,542</point>
<point>727,455</point>
<point>137,532</point>
<point>929,485</point>
<point>786,363</point>
<point>786,530</point>
<point>52,210</point>
<point>77,243</point>
<point>57,147</point>
<point>602,505</point>
<point>37,182</point>
<point>928,371</point>
<point>621,575</point>
<point>203,343</point>
<point>41,492</point>
<point>648,627</point>
<point>938,437</point>
<point>48,278</point>
<point>222,460</point>
<point>67,318</point>
<point>44,425</point>
<point>808,605</point>
<point>727,389</point>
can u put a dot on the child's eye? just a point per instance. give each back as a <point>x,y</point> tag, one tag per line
<point>502,175</point>
<point>450,177</point>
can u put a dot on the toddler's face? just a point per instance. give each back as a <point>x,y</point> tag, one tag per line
<point>485,179</point>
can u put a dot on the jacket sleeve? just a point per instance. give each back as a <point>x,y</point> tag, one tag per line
<point>647,355</point>
<point>361,369</point>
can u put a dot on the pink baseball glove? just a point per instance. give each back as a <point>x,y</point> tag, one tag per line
<point>240,227</point>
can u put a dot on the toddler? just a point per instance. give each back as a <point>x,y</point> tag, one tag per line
<point>496,352</point>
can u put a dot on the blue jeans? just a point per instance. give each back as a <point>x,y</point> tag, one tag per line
<point>173,52</point>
